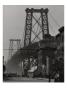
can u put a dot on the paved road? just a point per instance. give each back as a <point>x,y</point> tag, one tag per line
<point>23,79</point>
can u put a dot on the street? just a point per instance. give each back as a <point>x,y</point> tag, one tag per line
<point>25,79</point>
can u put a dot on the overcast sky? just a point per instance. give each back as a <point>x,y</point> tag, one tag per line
<point>14,21</point>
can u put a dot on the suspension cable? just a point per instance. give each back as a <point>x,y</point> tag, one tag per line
<point>54,20</point>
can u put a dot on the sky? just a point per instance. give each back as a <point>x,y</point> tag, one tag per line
<point>14,22</point>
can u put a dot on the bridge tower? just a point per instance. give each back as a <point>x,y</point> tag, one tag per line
<point>40,22</point>
<point>15,44</point>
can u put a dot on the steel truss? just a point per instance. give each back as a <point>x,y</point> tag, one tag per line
<point>29,24</point>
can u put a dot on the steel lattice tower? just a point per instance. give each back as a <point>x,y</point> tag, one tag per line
<point>29,27</point>
<point>11,46</point>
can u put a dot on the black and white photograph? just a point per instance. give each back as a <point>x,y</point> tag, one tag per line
<point>33,43</point>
